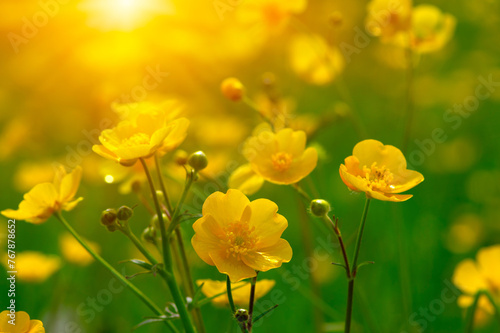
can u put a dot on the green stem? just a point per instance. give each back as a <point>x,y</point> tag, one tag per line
<point>360,236</point>
<point>409,99</point>
<point>189,279</point>
<point>175,217</point>
<point>149,303</point>
<point>469,326</point>
<point>251,303</point>
<point>172,284</point>
<point>350,291</point>
<point>230,295</point>
<point>337,233</point>
<point>494,304</point>
<point>162,185</point>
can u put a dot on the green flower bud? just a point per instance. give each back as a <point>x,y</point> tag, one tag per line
<point>108,216</point>
<point>159,195</point>
<point>124,213</point>
<point>149,235</point>
<point>319,207</point>
<point>198,160</point>
<point>112,227</point>
<point>241,315</point>
<point>156,223</point>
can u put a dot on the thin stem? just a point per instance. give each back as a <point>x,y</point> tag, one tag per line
<point>469,326</point>
<point>149,303</point>
<point>360,236</point>
<point>253,282</point>
<point>162,184</point>
<point>189,282</point>
<point>409,98</point>
<point>230,295</point>
<point>174,221</point>
<point>167,260</point>
<point>337,232</point>
<point>494,304</point>
<point>350,291</point>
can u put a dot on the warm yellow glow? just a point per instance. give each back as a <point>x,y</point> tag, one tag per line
<point>109,179</point>
<point>123,15</point>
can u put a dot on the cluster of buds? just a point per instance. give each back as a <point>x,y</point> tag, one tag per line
<point>114,219</point>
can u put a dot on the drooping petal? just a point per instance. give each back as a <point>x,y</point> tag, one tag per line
<point>388,196</point>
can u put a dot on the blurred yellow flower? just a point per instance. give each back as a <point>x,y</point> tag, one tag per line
<point>240,290</point>
<point>240,237</point>
<point>46,198</point>
<point>431,29</point>
<point>379,171</point>
<point>74,252</point>
<point>269,15</point>
<point>29,174</point>
<point>23,324</point>
<point>387,18</point>
<point>483,274</point>
<point>312,59</point>
<point>280,158</point>
<point>232,89</point>
<point>35,266</point>
<point>141,136</point>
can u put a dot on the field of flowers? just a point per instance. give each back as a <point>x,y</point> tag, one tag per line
<point>250,166</point>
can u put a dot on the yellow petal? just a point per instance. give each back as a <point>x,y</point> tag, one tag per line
<point>468,278</point>
<point>245,180</point>
<point>69,185</point>
<point>176,134</point>
<point>236,269</point>
<point>225,208</point>
<point>269,225</point>
<point>488,260</point>
<point>269,257</point>
<point>37,206</point>
<point>369,151</point>
<point>388,196</point>
<point>36,326</point>
<point>204,241</point>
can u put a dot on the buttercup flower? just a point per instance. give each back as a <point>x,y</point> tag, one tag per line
<point>46,198</point>
<point>74,252</point>
<point>35,267</point>
<point>387,18</point>
<point>379,171</point>
<point>240,290</point>
<point>483,274</point>
<point>240,237</point>
<point>279,158</point>
<point>312,59</point>
<point>431,29</point>
<point>23,323</point>
<point>141,136</point>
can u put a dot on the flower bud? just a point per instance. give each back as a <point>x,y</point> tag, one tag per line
<point>108,216</point>
<point>335,19</point>
<point>124,213</point>
<point>241,315</point>
<point>181,157</point>
<point>112,227</point>
<point>232,89</point>
<point>149,235</point>
<point>198,160</point>
<point>160,196</point>
<point>319,207</point>
<point>156,223</point>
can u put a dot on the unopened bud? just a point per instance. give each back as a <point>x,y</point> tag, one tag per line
<point>198,160</point>
<point>124,213</point>
<point>156,223</point>
<point>149,235</point>
<point>319,207</point>
<point>108,216</point>
<point>232,89</point>
<point>181,157</point>
<point>241,315</point>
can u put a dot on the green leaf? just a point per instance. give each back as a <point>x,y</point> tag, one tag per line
<point>265,312</point>
<point>138,262</point>
<point>150,320</point>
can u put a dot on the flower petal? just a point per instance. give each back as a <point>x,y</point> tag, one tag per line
<point>468,278</point>
<point>205,240</point>
<point>225,208</point>
<point>245,180</point>
<point>269,225</point>
<point>69,185</point>
<point>236,269</point>
<point>369,151</point>
<point>488,261</point>
<point>269,257</point>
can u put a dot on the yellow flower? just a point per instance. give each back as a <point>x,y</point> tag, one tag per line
<point>312,59</point>
<point>141,136</point>
<point>23,324</point>
<point>74,252</point>
<point>232,89</point>
<point>35,266</point>
<point>280,158</point>
<point>240,237</point>
<point>483,274</point>
<point>387,18</point>
<point>240,290</point>
<point>46,198</point>
<point>379,171</point>
<point>431,29</point>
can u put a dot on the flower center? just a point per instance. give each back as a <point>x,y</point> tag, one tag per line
<point>136,140</point>
<point>238,239</point>
<point>273,14</point>
<point>377,178</point>
<point>281,161</point>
